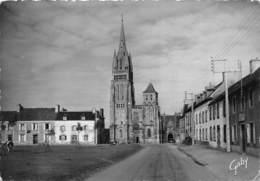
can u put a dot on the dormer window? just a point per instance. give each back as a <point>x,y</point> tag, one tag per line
<point>64,117</point>
<point>83,117</point>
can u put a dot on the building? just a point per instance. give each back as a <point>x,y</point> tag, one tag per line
<point>131,123</point>
<point>201,115</point>
<point>50,125</point>
<point>244,99</point>
<point>170,128</point>
<point>187,116</point>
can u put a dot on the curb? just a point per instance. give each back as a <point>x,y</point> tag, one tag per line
<point>192,157</point>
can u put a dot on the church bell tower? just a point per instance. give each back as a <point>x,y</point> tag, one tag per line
<point>122,92</point>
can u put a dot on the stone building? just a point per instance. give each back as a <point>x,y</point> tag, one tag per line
<point>131,123</point>
<point>245,115</point>
<point>50,125</point>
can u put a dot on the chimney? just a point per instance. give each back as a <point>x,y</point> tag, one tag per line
<point>254,64</point>
<point>102,112</point>
<point>20,107</point>
<point>57,108</point>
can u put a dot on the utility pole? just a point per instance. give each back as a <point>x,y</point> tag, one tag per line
<point>192,113</point>
<point>225,73</point>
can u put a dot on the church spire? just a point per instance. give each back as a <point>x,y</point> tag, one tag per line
<point>122,44</point>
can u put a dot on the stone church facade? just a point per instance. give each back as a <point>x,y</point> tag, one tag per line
<point>131,123</point>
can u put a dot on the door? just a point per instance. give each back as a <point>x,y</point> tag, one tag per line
<point>218,136</point>
<point>137,139</point>
<point>74,139</point>
<point>10,137</point>
<point>243,140</point>
<point>35,139</point>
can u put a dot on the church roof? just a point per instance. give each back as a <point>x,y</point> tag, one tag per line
<point>150,89</point>
<point>122,44</point>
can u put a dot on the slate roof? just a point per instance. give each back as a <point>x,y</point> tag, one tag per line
<point>150,89</point>
<point>8,116</point>
<point>76,115</point>
<point>251,78</point>
<point>29,114</point>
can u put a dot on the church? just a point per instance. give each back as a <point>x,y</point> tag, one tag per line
<point>131,123</point>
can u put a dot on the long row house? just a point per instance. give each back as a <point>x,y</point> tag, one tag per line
<point>51,125</point>
<point>208,124</point>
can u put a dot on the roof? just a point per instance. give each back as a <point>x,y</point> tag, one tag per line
<point>8,116</point>
<point>150,89</point>
<point>251,78</point>
<point>28,114</point>
<point>76,115</point>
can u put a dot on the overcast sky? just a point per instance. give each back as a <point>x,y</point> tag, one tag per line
<point>61,53</point>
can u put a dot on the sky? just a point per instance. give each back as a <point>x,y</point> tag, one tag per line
<point>61,52</point>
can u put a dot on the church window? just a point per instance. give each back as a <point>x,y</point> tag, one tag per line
<point>149,132</point>
<point>120,65</point>
<point>117,92</point>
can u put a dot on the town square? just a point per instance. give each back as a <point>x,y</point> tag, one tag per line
<point>130,90</point>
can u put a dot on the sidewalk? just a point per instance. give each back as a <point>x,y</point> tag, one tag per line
<point>219,162</point>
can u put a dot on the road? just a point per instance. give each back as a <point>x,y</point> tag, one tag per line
<point>156,163</point>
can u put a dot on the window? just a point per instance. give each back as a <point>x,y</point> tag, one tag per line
<point>22,127</point>
<point>200,134</point>
<point>146,98</point>
<point>148,132</point>
<point>250,133</point>
<point>199,117</point>
<point>202,117</point>
<point>225,133</point>
<point>85,127</point>
<point>206,134</point>
<point>121,133</point>
<point>47,126</point>
<point>251,98</point>
<point>210,113</point>
<point>64,117</point>
<point>233,133</point>
<point>74,138</point>
<point>22,138</point>
<point>214,133</point>
<point>243,103</point>
<point>196,118</point>
<point>214,111</point>
<point>210,133</point>
<point>34,126</point>
<point>74,128</point>
<point>217,110</point>
<point>86,137</point>
<point>206,116</point>
<point>151,97</point>
<point>224,108</point>
<point>62,128</point>
<point>234,104</point>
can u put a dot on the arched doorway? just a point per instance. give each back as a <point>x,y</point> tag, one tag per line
<point>170,138</point>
